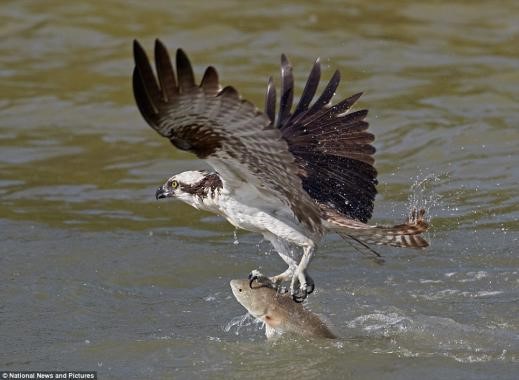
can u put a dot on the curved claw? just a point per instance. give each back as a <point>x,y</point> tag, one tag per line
<point>302,285</point>
<point>300,296</point>
<point>261,281</point>
<point>310,284</point>
<point>310,288</point>
<point>252,278</point>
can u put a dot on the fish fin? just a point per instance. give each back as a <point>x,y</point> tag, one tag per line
<point>271,332</point>
<point>271,320</point>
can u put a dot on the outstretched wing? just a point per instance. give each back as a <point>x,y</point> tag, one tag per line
<point>332,147</point>
<point>237,139</point>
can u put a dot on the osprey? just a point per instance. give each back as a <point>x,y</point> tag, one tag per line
<point>290,176</point>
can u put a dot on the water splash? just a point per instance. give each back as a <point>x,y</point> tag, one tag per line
<point>241,321</point>
<point>236,241</point>
<point>421,335</point>
<point>422,194</point>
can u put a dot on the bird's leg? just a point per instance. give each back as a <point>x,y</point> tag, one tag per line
<point>300,276</point>
<point>285,251</point>
<point>283,277</point>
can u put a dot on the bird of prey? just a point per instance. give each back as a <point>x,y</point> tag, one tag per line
<point>290,175</point>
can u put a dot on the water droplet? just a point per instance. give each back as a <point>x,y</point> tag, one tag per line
<point>422,194</point>
<point>241,321</point>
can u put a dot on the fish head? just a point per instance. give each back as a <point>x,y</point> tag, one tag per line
<point>260,300</point>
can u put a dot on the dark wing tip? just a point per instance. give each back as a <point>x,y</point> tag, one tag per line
<point>139,54</point>
<point>159,43</point>
<point>287,90</point>
<point>146,108</point>
<point>186,77</point>
<point>230,92</point>
<point>310,88</point>
<point>346,104</point>
<point>182,53</point>
<point>144,77</point>
<point>165,73</point>
<point>270,100</point>
<point>356,97</point>
<point>328,93</point>
<point>210,83</point>
<point>336,77</point>
<point>136,45</point>
<point>284,60</point>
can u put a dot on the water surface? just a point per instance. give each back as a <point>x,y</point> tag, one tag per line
<point>98,275</point>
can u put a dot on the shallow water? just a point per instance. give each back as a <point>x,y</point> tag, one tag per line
<point>98,275</point>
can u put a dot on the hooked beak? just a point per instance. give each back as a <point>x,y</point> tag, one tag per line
<point>162,192</point>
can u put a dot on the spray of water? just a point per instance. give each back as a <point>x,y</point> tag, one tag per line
<point>241,321</point>
<point>422,194</point>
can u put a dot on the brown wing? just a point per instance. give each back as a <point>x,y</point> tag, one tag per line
<point>331,145</point>
<point>234,137</point>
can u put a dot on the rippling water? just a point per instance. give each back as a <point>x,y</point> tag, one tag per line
<point>98,275</point>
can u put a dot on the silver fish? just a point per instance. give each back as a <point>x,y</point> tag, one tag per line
<point>278,311</point>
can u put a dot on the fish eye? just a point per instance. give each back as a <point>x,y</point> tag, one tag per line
<point>174,184</point>
<point>239,290</point>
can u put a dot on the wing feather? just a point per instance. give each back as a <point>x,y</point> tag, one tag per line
<point>144,104</point>
<point>165,73</point>
<point>186,77</point>
<point>148,84</point>
<point>287,90</point>
<point>270,100</point>
<point>310,88</point>
<point>328,92</point>
<point>210,83</point>
<point>331,145</point>
<point>238,140</point>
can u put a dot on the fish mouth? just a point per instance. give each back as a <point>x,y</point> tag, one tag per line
<point>162,192</point>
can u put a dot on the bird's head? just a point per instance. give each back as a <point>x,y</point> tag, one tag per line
<point>191,187</point>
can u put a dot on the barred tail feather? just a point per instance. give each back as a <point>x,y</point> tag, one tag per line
<point>406,235</point>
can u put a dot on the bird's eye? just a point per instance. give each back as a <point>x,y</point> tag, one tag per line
<point>174,184</point>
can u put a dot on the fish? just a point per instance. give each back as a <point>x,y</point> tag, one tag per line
<point>279,312</point>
